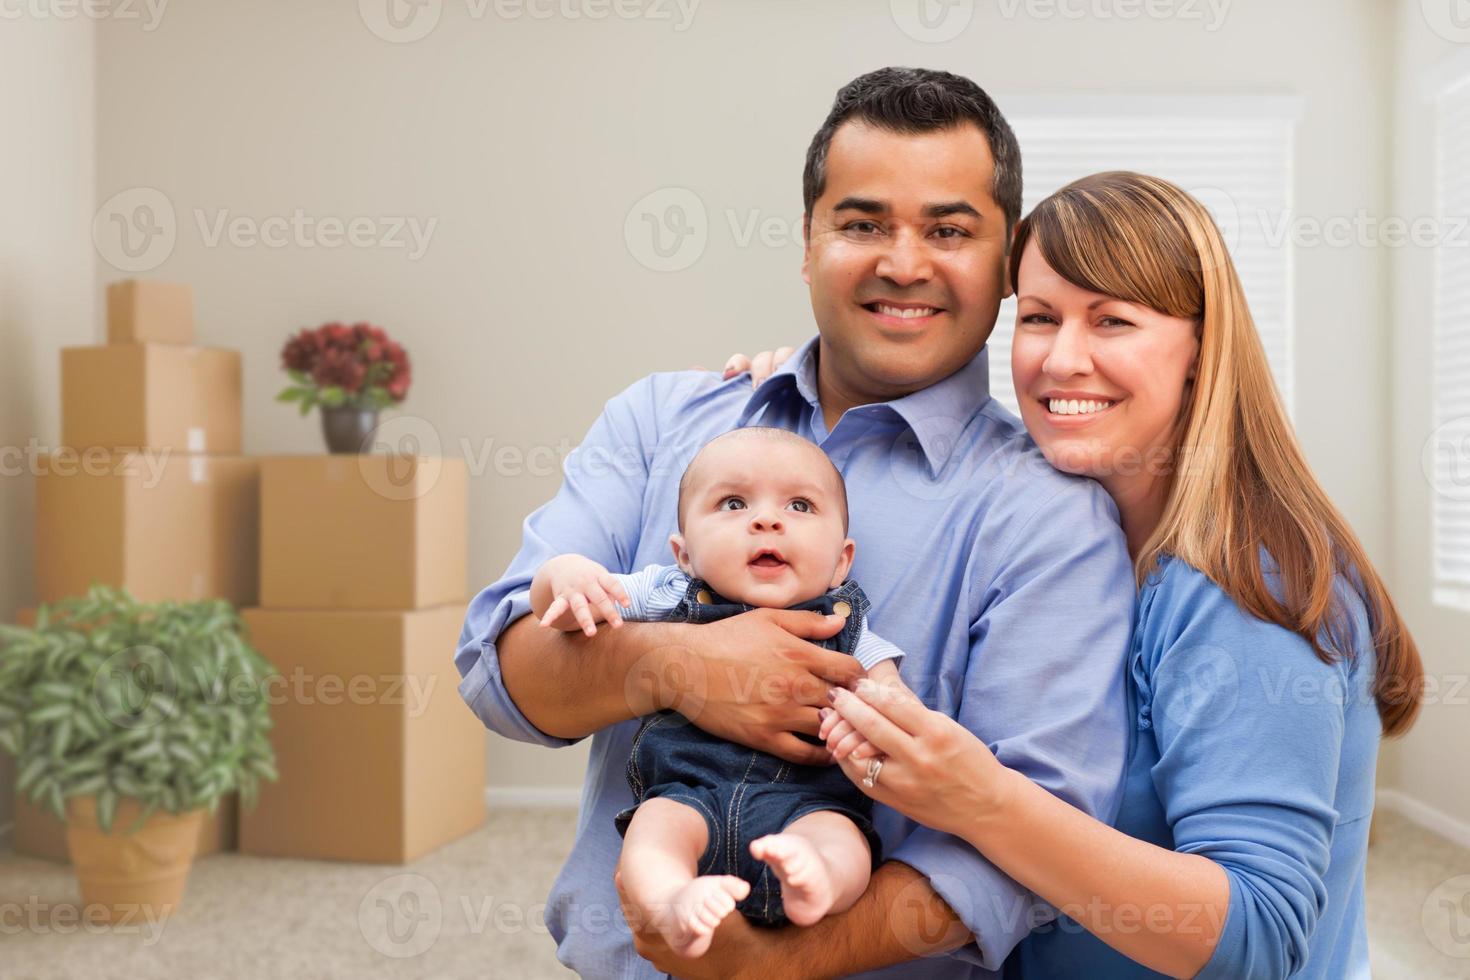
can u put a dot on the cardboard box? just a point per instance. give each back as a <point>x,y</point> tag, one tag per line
<point>363,532</point>
<point>162,525</point>
<point>39,834</point>
<point>378,756</point>
<point>151,396</point>
<point>143,310</point>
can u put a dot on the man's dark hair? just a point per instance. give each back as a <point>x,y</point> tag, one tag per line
<point>913,101</point>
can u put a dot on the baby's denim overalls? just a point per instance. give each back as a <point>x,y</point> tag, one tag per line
<point>743,793</point>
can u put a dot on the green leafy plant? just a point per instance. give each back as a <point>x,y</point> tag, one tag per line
<point>162,702</point>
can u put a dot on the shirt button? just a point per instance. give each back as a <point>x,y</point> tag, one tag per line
<point>703,597</point>
<point>841,608</point>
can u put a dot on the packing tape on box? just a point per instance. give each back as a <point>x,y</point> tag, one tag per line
<point>197,470</point>
<point>195,440</point>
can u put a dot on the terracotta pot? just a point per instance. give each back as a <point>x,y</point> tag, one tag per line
<point>347,429</point>
<point>130,874</point>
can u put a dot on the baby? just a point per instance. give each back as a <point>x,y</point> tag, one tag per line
<point>762,519</point>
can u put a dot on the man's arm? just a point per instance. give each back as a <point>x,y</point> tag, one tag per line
<point>570,685</point>
<point>597,512</point>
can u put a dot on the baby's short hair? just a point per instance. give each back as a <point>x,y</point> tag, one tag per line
<point>763,432</point>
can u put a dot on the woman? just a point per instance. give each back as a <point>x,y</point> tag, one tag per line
<point>1267,657</point>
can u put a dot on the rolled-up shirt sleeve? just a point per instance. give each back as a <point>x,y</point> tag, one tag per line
<point>596,513</point>
<point>1044,689</point>
<point>1250,727</point>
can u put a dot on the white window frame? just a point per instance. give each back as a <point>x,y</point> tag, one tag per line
<point>1447,87</point>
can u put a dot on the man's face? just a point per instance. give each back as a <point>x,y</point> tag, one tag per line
<point>905,257</point>
<point>763,523</point>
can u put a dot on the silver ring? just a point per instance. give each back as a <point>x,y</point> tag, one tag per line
<point>875,766</point>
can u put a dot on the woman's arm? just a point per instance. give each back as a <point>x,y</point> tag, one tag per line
<point>1161,908</point>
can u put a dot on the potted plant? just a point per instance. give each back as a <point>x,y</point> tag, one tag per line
<point>123,714</point>
<point>351,372</point>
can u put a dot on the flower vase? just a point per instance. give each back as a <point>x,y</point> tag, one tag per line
<point>347,428</point>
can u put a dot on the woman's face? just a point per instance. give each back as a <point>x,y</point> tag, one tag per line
<point>1100,380</point>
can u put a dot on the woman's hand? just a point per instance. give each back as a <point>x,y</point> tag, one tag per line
<point>761,367</point>
<point>934,770</point>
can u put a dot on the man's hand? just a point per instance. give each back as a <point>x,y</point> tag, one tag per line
<point>571,592</point>
<point>754,679</point>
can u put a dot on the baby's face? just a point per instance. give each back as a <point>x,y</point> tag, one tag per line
<point>763,523</point>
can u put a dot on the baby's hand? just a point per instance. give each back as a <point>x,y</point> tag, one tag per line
<point>584,594</point>
<point>842,739</point>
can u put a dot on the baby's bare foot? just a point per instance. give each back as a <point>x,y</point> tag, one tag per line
<point>696,909</point>
<point>806,885</point>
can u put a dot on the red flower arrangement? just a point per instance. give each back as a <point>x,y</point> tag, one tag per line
<point>338,366</point>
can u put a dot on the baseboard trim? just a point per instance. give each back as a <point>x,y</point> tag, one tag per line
<point>1431,818</point>
<point>557,796</point>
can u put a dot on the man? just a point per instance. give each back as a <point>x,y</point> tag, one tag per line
<point>1007,583</point>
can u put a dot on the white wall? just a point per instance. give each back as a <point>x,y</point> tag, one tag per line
<point>530,140</point>
<point>47,274</point>
<point>1428,766</point>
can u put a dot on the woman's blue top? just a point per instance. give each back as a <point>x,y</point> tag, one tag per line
<point>1247,749</point>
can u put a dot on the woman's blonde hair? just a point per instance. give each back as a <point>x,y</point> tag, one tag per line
<point>1239,483</point>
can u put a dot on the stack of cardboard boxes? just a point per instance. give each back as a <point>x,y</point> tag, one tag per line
<point>150,493</point>
<point>358,564</point>
<point>363,580</point>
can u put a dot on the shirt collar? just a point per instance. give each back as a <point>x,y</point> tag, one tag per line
<point>936,414</point>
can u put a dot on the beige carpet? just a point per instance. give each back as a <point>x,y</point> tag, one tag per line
<point>472,910</point>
